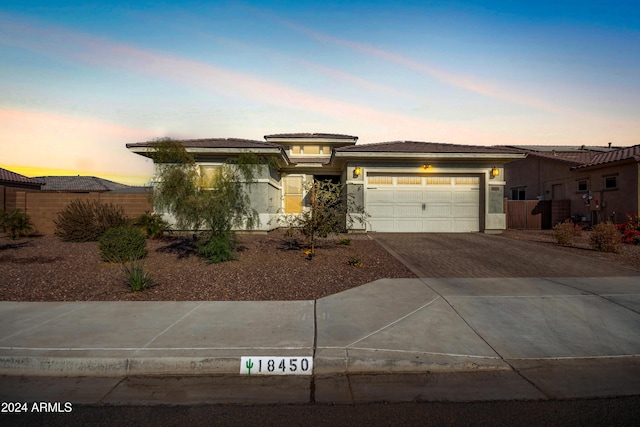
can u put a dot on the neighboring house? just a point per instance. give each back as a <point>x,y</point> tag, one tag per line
<point>405,186</point>
<point>10,179</point>
<point>10,183</point>
<point>599,183</point>
<point>84,184</point>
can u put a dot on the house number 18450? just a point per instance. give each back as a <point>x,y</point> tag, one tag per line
<point>274,365</point>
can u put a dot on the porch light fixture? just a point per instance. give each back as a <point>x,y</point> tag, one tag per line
<point>495,171</point>
<point>426,166</point>
<point>357,171</point>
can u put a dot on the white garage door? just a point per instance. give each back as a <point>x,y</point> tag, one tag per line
<point>423,204</point>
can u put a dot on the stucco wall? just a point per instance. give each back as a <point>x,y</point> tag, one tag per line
<point>541,175</point>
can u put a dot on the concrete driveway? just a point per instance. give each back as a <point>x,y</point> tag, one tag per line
<point>483,255</point>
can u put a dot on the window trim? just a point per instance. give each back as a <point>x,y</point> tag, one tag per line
<point>604,183</point>
<point>586,182</point>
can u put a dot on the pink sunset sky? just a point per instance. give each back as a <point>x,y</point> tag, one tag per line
<point>79,83</point>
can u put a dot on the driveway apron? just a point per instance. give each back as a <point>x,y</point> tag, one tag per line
<point>484,255</point>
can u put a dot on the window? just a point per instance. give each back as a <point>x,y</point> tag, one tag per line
<point>295,149</point>
<point>377,180</point>
<point>409,180</point>
<point>438,180</point>
<point>311,149</point>
<point>518,193</point>
<point>207,175</point>
<point>468,180</point>
<point>583,185</point>
<point>293,194</point>
<point>610,182</point>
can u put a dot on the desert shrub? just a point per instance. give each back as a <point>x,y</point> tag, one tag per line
<point>355,262</point>
<point>217,248</point>
<point>136,276</point>
<point>630,230</point>
<point>605,237</point>
<point>152,224</point>
<point>16,223</point>
<point>122,244</point>
<point>565,232</point>
<point>82,221</point>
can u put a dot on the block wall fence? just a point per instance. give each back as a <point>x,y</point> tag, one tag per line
<point>43,207</point>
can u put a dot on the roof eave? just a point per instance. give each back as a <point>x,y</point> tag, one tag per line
<point>221,151</point>
<point>608,164</point>
<point>405,155</point>
<point>298,140</point>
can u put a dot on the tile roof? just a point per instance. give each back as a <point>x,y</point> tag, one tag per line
<point>419,147</point>
<point>311,135</point>
<point>7,176</point>
<point>574,157</point>
<point>561,148</point>
<point>622,154</point>
<point>80,183</point>
<point>215,143</point>
<point>574,154</point>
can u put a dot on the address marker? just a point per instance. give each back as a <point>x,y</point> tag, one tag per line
<point>275,365</point>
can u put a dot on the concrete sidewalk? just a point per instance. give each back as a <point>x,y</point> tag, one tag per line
<point>393,339</point>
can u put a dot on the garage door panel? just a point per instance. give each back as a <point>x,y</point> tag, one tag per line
<point>404,225</point>
<point>378,210</point>
<point>470,196</point>
<point>438,226</point>
<point>408,211</point>
<point>435,211</point>
<point>437,196</point>
<point>382,225</point>
<point>466,225</point>
<point>469,211</point>
<point>380,195</point>
<point>444,205</point>
<point>403,196</point>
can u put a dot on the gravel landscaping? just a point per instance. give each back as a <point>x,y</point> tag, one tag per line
<point>628,256</point>
<point>44,268</point>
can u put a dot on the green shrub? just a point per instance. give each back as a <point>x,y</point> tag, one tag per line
<point>605,237</point>
<point>17,223</point>
<point>122,244</point>
<point>565,232</point>
<point>217,249</point>
<point>345,241</point>
<point>82,221</point>
<point>136,276</point>
<point>152,224</point>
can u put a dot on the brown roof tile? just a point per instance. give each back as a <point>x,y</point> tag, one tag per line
<point>80,183</point>
<point>417,147</point>
<point>15,178</point>
<point>311,135</point>
<point>622,154</point>
<point>215,143</point>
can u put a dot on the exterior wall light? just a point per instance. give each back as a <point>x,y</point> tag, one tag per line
<point>426,166</point>
<point>357,171</point>
<point>495,172</point>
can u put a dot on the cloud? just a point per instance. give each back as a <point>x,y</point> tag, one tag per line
<point>463,81</point>
<point>100,52</point>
